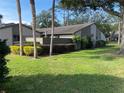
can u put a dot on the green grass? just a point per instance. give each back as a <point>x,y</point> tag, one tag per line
<point>89,71</point>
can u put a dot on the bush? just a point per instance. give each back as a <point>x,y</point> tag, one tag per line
<point>76,39</point>
<point>86,42</point>
<point>15,49</point>
<point>100,43</point>
<point>4,50</point>
<point>29,50</point>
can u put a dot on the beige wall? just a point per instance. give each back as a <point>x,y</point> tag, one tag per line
<point>6,33</point>
<point>66,36</point>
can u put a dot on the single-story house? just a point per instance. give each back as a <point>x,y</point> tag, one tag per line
<point>64,34</point>
<point>10,32</point>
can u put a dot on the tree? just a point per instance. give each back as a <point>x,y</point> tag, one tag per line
<point>20,26</point>
<point>44,20</point>
<point>32,4</point>
<point>4,50</point>
<point>52,32</point>
<point>107,5</point>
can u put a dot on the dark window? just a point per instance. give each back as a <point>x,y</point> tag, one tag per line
<point>15,37</point>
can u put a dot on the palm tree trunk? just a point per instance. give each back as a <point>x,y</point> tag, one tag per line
<point>119,33</point>
<point>64,18</point>
<point>20,26</point>
<point>32,4</point>
<point>122,38</point>
<point>52,32</point>
<point>68,14</point>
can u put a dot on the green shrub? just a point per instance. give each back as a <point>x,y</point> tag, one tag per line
<point>100,43</point>
<point>86,42</point>
<point>76,39</point>
<point>29,50</point>
<point>15,49</point>
<point>4,50</point>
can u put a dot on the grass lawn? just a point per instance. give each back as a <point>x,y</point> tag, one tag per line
<point>87,71</point>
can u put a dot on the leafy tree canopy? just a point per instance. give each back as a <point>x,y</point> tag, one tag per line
<point>44,20</point>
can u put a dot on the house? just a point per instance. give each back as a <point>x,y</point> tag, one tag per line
<point>10,32</point>
<point>64,34</point>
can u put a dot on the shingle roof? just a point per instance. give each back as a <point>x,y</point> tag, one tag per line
<point>6,25</point>
<point>2,26</point>
<point>11,25</point>
<point>65,29</point>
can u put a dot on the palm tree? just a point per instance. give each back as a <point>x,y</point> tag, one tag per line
<point>20,26</point>
<point>52,32</point>
<point>32,4</point>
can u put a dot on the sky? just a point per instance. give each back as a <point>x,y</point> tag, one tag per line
<point>9,10</point>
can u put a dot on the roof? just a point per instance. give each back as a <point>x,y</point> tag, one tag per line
<point>6,25</point>
<point>2,26</point>
<point>65,30</point>
<point>11,25</point>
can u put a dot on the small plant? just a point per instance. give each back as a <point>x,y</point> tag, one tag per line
<point>76,39</point>
<point>4,50</point>
<point>15,49</point>
<point>29,50</point>
<point>100,43</point>
<point>86,42</point>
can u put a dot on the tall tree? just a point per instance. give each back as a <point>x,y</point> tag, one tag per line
<point>52,32</point>
<point>20,26</point>
<point>107,5</point>
<point>32,4</point>
<point>44,19</point>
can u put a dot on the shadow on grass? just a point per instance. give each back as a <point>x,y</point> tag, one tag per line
<point>82,83</point>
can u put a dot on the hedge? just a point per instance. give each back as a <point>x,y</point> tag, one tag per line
<point>15,49</point>
<point>27,50</point>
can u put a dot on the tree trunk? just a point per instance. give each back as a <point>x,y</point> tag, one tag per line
<point>64,18</point>
<point>52,32</point>
<point>20,26</point>
<point>119,33</point>
<point>68,14</point>
<point>32,3</point>
<point>122,39</point>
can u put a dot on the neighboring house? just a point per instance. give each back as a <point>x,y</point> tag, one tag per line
<point>61,34</point>
<point>10,32</point>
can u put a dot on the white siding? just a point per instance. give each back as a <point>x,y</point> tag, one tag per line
<point>66,36</point>
<point>6,33</point>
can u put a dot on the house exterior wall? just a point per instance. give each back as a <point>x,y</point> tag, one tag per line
<point>83,32</point>
<point>6,33</point>
<point>103,37</point>
<point>27,32</point>
<point>93,34</point>
<point>100,35</point>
